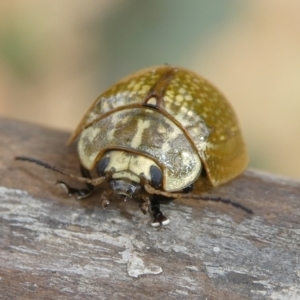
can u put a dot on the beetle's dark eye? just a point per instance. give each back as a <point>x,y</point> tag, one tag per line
<point>156,176</point>
<point>101,166</point>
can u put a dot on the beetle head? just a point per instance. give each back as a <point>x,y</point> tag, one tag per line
<point>125,188</point>
<point>127,172</point>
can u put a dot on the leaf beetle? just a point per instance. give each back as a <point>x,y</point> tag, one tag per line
<point>151,136</point>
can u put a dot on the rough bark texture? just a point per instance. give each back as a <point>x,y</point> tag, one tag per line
<point>55,247</point>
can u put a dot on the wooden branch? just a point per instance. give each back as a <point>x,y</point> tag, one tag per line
<point>55,247</point>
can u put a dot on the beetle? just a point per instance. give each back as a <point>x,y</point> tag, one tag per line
<point>151,136</point>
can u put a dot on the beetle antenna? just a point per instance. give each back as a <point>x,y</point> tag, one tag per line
<point>220,199</point>
<point>95,181</point>
<point>152,190</point>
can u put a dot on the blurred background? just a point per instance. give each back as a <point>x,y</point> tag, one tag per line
<point>57,56</point>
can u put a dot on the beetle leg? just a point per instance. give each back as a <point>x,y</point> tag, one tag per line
<point>188,189</point>
<point>158,218</point>
<point>105,199</point>
<point>145,205</point>
<point>152,205</point>
<point>79,193</point>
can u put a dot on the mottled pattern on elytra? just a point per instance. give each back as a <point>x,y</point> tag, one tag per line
<point>130,90</point>
<point>202,111</point>
<point>210,121</point>
<point>147,132</point>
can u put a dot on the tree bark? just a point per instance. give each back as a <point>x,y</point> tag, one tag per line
<point>55,247</point>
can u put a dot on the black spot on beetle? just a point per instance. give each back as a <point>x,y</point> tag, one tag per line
<point>156,176</point>
<point>101,166</point>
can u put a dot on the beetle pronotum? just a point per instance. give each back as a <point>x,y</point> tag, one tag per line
<point>152,134</point>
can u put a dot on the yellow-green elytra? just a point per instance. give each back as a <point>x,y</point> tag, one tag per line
<point>172,117</point>
<point>151,135</point>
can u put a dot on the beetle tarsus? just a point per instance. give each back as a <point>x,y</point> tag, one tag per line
<point>145,205</point>
<point>105,199</point>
